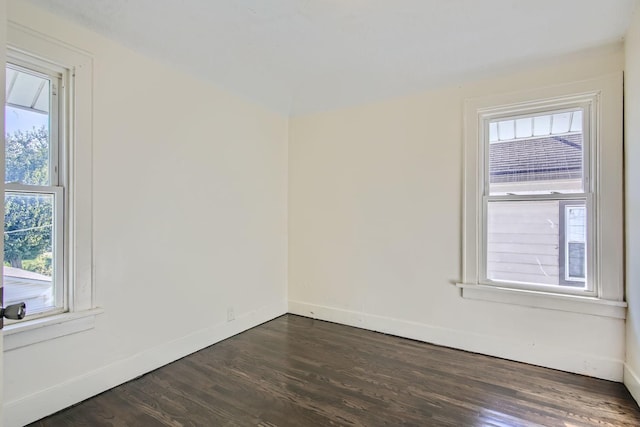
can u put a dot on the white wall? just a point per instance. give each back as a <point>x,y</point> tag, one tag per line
<point>190,218</point>
<point>632,203</point>
<point>375,202</point>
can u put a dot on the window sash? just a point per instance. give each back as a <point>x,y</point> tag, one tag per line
<point>588,199</point>
<point>57,246</point>
<point>57,77</point>
<point>587,121</point>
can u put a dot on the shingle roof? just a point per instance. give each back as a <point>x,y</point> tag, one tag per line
<point>536,159</point>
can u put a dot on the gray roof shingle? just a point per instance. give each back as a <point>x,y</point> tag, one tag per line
<point>536,159</point>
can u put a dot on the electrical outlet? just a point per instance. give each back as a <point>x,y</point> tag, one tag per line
<point>230,314</point>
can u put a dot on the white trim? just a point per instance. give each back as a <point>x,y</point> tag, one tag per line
<point>22,334</point>
<point>550,301</point>
<point>604,160</point>
<point>33,407</point>
<point>76,105</point>
<point>548,356</point>
<point>632,382</point>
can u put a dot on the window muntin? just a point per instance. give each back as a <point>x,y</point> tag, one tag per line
<point>34,196</point>
<point>533,163</point>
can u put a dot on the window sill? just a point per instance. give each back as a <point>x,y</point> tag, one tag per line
<point>545,300</point>
<point>34,331</point>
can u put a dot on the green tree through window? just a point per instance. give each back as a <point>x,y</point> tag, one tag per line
<point>28,218</point>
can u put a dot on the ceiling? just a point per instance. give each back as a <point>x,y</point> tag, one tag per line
<point>302,56</point>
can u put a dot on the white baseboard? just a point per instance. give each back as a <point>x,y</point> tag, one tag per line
<point>46,402</point>
<point>547,356</point>
<point>632,382</point>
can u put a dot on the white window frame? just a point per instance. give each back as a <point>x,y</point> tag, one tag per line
<point>59,78</point>
<point>80,309</point>
<point>602,98</point>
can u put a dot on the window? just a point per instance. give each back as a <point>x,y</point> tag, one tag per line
<point>34,231</point>
<point>48,180</point>
<point>543,196</point>
<point>534,163</point>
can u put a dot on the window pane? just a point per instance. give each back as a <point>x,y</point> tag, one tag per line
<point>525,243</point>
<point>27,146</point>
<point>543,164</point>
<point>28,254</point>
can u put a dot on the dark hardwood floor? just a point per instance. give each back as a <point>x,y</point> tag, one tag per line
<point>295,371</point>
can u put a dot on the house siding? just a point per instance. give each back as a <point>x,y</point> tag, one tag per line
<point>523,242</point>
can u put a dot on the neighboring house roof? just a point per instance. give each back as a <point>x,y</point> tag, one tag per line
<point>19,273</point>
<point>556,157</point>
<point>34,289</point>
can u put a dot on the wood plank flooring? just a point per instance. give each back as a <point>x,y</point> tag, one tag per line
<point>295,371</point>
